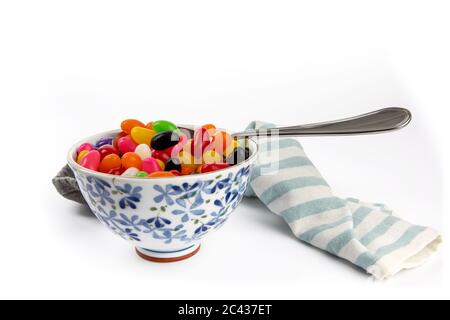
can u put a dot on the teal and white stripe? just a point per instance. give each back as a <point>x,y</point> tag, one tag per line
<point>366,234</point>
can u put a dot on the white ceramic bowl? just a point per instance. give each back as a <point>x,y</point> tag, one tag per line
<point>164,218</point>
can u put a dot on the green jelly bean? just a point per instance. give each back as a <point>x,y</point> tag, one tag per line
<point>163,125</point>
<point>141,174</point>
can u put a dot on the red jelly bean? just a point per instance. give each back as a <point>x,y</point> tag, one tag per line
<point>117,172</point>
<point>221,141</point>
<point>91,160</point>
<point>161,155</point>
<point>201,140</point>
<point>169,151</point>
<point>210,167</point>
<point>175,172</point>
<point>106,150</point>
<point>116,140</point>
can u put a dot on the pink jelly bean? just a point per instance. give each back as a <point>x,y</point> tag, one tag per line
<point>150,165</point>
<point>126,144</point>
<point>176,149</point>
<point>86,146</point>
<point>91,160</point>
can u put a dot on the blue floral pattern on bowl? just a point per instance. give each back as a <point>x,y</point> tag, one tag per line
<point>163,217</point>
<point>178,208</point>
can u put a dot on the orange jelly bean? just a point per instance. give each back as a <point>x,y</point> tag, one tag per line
<point>188,168</point>
<point>110,163</point>
<point>161,174</point>
<point>131,160</point>
<point>145,148</point>
<point>221,141</point>
<point>210,128</point>
<point>129,124</point>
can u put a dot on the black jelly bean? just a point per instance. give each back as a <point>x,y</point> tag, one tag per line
<point>165,140</point>
<point>238,155</point>
<point>173,164</point>
<point>247,153</point>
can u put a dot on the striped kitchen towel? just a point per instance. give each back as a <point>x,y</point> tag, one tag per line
<point>366,234</point>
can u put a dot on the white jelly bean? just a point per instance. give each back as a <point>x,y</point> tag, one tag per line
<point>143,150</point>
<point>130,172</point>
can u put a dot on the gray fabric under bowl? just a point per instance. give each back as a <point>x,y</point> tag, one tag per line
<point>66,184</point>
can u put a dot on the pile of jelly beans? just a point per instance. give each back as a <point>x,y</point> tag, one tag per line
<point>161,149</point>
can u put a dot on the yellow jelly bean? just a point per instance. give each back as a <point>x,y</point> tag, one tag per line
<point>186,157</point>
<point>212,156</point>
<point>81,155</point>
<point>230,149</point>
<point>162,165</point>
<point>142,135</point>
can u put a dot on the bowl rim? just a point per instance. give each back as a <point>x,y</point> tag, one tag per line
<point>74,165</point>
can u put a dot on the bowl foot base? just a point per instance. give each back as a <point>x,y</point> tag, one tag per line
<point>168,256</point>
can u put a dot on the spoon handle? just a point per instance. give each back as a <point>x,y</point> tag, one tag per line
<point>383,120</point>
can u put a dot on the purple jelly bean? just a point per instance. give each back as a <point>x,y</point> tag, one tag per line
<point>104,141</point>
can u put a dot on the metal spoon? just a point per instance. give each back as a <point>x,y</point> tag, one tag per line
<point>383,120</point>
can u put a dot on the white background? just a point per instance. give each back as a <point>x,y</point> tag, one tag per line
<point>69,69</point>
